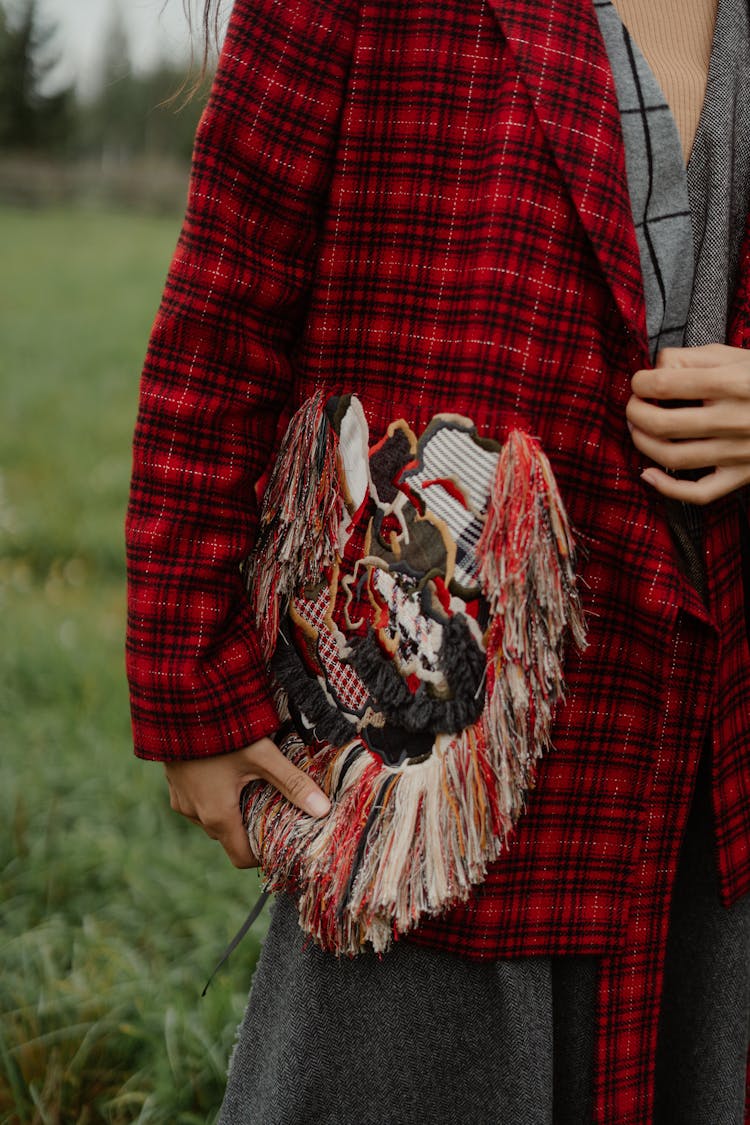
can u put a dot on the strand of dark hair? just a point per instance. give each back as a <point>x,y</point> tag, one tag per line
<point>210,28</point>
<point>210,35</point>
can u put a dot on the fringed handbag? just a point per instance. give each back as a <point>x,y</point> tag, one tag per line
<point>412,598</point>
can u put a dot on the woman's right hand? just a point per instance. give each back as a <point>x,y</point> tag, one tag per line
<point>207,791</point>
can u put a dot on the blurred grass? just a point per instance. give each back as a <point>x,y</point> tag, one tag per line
<point>113,909</point>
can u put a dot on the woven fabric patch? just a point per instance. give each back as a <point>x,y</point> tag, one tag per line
<point>413,596</point>
<point>390,642</point>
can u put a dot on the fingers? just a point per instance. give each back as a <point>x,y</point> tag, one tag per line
<point>707,355</point>
<point>268,763</point>
<point>708,453</point>
<point>702,437</point>
<point>699,383</point>
<point>294,783</point>
<point>728,418</point>
<point>230,832</point>
<point>728,458</point>
<point>207,792</point>
<point>176,804</point>
<point>212,807</point>
<point>696,373</point>
<point>710,431</point>
<point>704,491</point>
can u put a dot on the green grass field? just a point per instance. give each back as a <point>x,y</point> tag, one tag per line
<point>113,909</point>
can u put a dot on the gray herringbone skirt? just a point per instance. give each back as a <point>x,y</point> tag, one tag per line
<point>424,1036</point>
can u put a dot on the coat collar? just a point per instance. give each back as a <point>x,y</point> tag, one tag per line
<point>563,62</point>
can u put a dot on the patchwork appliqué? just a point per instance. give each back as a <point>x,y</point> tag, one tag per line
<point>413,605</point>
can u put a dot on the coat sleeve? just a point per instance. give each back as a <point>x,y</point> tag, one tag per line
<point>218,374</point>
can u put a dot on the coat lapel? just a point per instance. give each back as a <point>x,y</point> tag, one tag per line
<point>562,60</point>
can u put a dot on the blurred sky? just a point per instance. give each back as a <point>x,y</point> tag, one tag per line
<point>155,29</point>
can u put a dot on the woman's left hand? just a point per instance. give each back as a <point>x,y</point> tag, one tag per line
<point>713,434</point>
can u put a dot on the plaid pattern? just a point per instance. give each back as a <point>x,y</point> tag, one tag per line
<point>428,204</point>
<point>629,983</point>
<point>657,184</point>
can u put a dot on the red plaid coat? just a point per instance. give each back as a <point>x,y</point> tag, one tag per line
<point>427,204</point>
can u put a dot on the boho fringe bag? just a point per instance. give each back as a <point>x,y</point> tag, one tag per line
<point>413,598</point>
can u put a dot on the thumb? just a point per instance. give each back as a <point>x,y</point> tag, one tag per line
<point>294,783</point>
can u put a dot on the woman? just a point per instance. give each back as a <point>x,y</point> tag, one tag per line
<point>481,208</point>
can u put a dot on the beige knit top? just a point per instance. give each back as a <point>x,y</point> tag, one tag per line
<point>675,37</point>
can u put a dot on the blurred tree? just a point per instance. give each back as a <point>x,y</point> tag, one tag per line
<point>111,125</point>
<point>31,118</point>
<point>139,113</point>
<point>170,117</point>
<point>126,142</point>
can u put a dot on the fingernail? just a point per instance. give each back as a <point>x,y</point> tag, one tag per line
<point>630,426</point>
<point>318,804</point>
